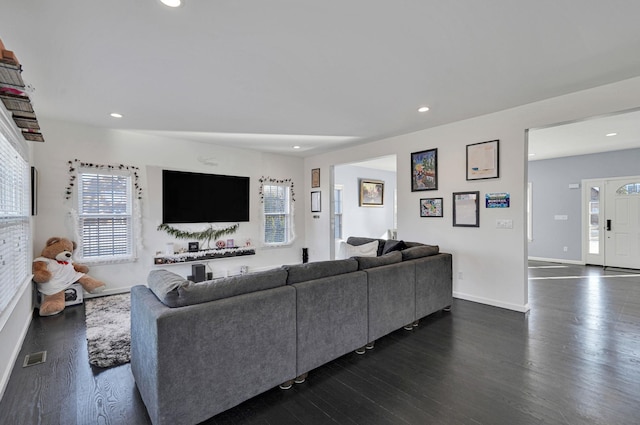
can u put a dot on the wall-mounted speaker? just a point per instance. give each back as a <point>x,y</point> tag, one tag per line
<point>198,272</point>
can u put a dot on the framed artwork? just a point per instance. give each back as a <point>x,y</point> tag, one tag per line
<point>371,193</point>
<point>424,170</point>
<point>466,209</point>
<point>316,205</point>
<point>315,177</point>
<point>431,207</point>
<point>483,160</point>
<point>497,200</point>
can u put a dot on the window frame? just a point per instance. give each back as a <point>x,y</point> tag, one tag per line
<point>15,217</point>
<point>289,232</point>
<point>338,211</point>
<point>131,217</point>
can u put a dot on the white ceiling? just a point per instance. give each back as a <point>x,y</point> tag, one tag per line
<point>591,135</point>
<point>272,74</point>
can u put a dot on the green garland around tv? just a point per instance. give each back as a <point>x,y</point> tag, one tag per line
<point>205,235</point>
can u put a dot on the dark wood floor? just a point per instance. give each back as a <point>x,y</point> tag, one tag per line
<point>574,359</point>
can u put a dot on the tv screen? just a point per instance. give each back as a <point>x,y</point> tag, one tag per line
<point>203,198</point>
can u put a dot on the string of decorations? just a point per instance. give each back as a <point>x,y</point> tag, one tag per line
<point>263,179</point>
<point>206,235</point>
<point>75,164</point>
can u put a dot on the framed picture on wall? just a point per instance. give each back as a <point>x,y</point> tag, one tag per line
<point>424,170</point>
<point>483,160</point>
<point>316,204</point>
<point>315,177</point>
<point>371,193</point>
<point>466,209</point>
<point>431,207</point>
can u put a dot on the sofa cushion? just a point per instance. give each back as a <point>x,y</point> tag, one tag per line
<point>365,250</point>
<point>319,269</point>
<point>369,262</point>
<point>358,240</point>
<point>188,293</point>
<point>393,245</point>
<point>164,284</point>
<point>419,251</point>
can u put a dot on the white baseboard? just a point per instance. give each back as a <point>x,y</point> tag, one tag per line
<point>558,260</point>
<point>495,303</point>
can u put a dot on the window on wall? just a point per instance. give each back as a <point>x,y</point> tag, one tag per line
<point>337,211</point>
<point>105,215</point>
<point>529,212</point>
<point>15,258</point>
<point>277,213</point>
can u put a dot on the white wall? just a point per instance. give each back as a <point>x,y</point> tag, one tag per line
<point>492,261</point>
<point>67,141</point>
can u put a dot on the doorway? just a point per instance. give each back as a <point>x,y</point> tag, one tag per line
<point>611,222</point>
<point>348,216</point>
<point>568,225</point>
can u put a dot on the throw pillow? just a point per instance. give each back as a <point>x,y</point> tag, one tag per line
<point>164,284</point>
<point>393,245</point>
<point>367,250</point>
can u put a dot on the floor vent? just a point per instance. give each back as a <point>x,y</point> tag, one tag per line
<point>35,358</point>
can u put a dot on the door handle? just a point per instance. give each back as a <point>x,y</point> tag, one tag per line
<point>608,225</point>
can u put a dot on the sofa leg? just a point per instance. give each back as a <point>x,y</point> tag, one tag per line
<point>415,324</point>
<point>300,379</point>
<point>360,350</point>
<point>408,327</point>
<point>286,385</point>
<point>447,308</point>
<point>369,346</point>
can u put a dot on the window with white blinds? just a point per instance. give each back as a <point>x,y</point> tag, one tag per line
<point>337,211</point>
<point>105,216</point>
<point>15,258</point>
<point>277,214</point>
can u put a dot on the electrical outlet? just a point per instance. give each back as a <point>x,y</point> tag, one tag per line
<point>565,249</point>
<point>460,276</point>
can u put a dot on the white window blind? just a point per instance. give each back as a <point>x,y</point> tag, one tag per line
<point>105,216</point>
<point>337,212</point>
<point>15,258</point>
<point>277,214</point>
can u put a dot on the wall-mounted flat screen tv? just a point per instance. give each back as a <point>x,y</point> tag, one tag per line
<point>204,198</point>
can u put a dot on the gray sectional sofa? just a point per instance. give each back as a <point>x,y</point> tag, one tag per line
<point>198,349</point>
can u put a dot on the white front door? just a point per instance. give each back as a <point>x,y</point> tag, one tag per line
<point>622,223</point>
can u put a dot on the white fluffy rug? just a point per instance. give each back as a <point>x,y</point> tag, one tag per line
<point>109,330</point>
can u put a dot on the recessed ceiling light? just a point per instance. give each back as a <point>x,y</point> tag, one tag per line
<point>296,147</point>
<point>532,154</point>
<point>611,134</point>
<point>423,109</point>
<point>172,3</point>
<point>116,115</point>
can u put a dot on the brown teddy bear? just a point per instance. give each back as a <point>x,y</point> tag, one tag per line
<point>54,272</point>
